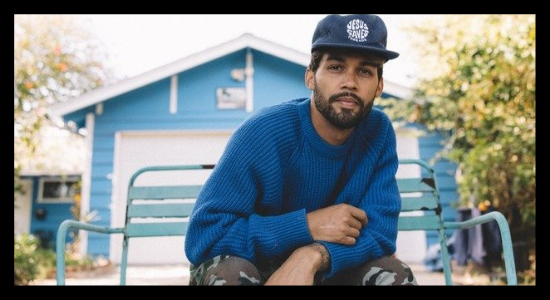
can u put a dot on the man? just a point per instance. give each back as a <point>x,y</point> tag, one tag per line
<point>305,192</point>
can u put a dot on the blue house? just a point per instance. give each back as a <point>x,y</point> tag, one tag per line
<point>184,113</point>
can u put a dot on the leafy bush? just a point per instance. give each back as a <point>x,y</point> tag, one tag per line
<point>32,262</point>
<point>29,260</point>
<point>478,89</point>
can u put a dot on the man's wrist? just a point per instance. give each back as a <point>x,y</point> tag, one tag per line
<point>324,259</point>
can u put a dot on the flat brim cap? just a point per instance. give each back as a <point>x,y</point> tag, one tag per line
<point>358,32</point>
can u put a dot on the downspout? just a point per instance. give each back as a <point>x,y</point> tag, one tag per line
<point>249,84</point>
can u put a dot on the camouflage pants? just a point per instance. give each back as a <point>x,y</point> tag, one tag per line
<point>232,270</point>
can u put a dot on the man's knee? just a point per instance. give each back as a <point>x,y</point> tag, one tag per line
<point>226,270</point>
<point>388,271</point>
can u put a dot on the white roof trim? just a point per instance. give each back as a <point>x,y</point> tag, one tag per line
<point>397,90</point>
<point>245,41</point>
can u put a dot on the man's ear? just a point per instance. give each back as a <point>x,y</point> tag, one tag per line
<point>310,79</point>
<point>380,87</point>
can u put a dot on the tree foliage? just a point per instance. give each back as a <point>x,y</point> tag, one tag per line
<point>55,58</point>
<point>478,86</point>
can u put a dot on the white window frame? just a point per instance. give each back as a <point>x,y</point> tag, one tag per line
<point>41,199</point>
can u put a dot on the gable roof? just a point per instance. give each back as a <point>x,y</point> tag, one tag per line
<point>244,41</point>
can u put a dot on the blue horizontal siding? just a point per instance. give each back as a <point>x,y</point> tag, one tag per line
<point>446,182</point>
<point>102,219</point>
<point>205,123</point>
<point>277,81</point>
<point>104,142</point>
<point>102,171</point>
<point>102,186</point>
<point>445,166</point>
<point>94,239</point>
<point>101,200</point>
<point>150,99</point>
<point>449,197</point>
<point>170,120</point>
<point>197,88</point>
<point>98,245</point>
<point>429,153</point>
<point>100,193</point>
<point>430,145</point>
<point>101,208</point>
<point>103,157</point>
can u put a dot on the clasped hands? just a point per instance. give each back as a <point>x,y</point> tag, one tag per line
<point>339,224</point>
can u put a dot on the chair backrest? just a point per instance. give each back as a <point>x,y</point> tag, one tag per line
<point>421,207</point>
<point>148,207</point>
<point>419,194</point>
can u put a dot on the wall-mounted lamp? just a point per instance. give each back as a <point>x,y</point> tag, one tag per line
<point>238,74</point>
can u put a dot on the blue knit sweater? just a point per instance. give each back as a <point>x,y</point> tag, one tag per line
<point>276,168</point>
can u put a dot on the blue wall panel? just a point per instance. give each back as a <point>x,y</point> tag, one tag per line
<point>277,81</point>
<point>430,145</point>
<point>55,213</point>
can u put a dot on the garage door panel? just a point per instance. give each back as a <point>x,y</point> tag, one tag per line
<point>135,150</point>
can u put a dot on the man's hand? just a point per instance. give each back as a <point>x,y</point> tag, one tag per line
<point>337,223</point>
<point>301,266</point>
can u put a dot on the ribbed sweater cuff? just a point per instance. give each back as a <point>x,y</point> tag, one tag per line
<point>339,258</point>
<point>288,229</point>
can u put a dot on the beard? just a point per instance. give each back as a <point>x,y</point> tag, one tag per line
<point>346,119</point>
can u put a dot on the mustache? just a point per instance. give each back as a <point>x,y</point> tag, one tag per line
<point>335,97</point>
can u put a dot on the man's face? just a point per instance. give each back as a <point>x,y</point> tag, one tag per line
<point>345,86</point>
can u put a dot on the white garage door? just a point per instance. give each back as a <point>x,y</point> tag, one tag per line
<point>134,150</point>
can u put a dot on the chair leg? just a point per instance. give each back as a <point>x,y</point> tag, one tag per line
<point>445,257</point>
<point>60,252</point>
<point>504,229</point>
<point>124,261</point>
<point>507,248</point>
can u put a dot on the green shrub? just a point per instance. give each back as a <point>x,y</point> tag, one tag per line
<point>478,88</point>
<point>25,258</point>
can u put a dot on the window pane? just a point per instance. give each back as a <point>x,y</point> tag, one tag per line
<point>52,190</point>
<point>71,189</point>
<point>59,190</point>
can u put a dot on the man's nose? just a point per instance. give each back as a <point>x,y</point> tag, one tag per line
<point>349,82</point>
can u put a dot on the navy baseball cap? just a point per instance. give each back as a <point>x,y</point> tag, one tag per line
<point>360,32</point>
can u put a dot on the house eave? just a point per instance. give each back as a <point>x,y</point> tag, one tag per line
<point>245,41</point>
<point>186,63</point>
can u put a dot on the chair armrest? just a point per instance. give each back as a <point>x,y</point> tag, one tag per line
<point>60,242</point>
<point>504,234</point>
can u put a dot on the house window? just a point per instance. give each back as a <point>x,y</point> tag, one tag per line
<point>58,189</point>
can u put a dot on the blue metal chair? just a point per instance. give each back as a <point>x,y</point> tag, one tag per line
<point>422,194</point>
<point>418,194</point>
<point>154,211</point>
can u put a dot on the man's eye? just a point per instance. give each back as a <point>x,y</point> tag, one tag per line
<point>335,68</point>
<point>365,72</point>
